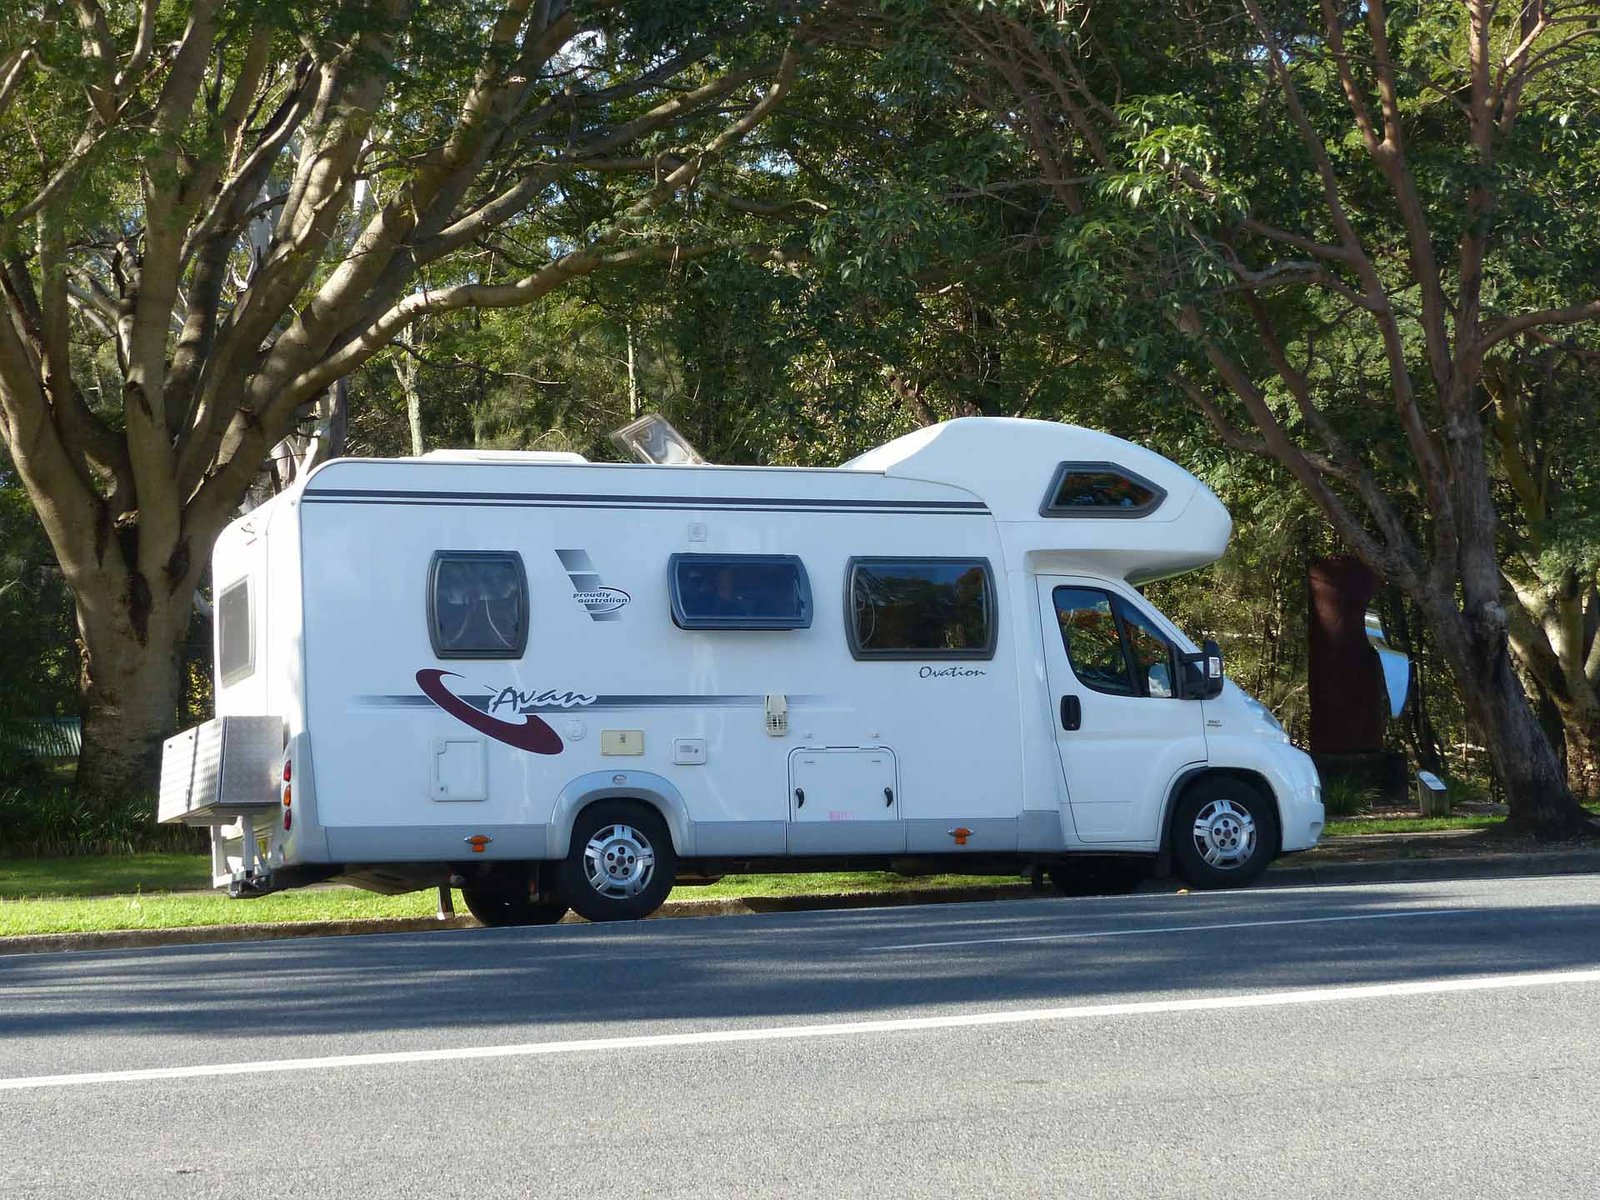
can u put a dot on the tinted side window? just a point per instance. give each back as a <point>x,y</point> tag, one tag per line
<point>1099,490</point>
<point>236,657</point>
<point>739,591</point>
<point>921,608</point>
<point>478,604</point>
<point>1094,644</point>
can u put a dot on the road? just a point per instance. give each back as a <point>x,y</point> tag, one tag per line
<point>1411,1039</point>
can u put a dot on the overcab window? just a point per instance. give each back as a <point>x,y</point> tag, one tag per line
<point>236,643</point>
<point>739,591</point>
<point>478,604</point>
<point>1099,490</point>
<point>921,608</point>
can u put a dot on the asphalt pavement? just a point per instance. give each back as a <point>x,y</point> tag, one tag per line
<point>1423,1039</point>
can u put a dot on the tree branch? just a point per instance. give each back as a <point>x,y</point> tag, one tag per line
<point>1574,314</point>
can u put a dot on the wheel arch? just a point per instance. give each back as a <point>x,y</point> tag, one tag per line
<point>1194,775</point>
<point>643,787</point>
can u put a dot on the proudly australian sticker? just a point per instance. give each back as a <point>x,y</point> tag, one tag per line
<point>602,600</point>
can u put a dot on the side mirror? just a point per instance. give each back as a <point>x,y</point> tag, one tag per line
<point>1200,675</point>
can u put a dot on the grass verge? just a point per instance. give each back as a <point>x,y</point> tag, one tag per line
<point>1358,826</point>
<point>103,875</point>
<point>79,913</point>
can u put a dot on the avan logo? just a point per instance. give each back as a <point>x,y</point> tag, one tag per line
<point>531,733</point>
<point>601,602</point>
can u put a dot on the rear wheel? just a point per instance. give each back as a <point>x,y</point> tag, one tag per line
<point>500,901</point>
<point>1224,833</point>
<point>621,864</point>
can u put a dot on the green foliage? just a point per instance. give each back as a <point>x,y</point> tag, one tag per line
<point>1342,797</point>
<point>37,658</point>
<point>38,664</point>
<point>39,815</point>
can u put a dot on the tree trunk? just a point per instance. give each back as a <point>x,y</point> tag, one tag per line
<point>1577,708</point>
<point>1550,721</point>
<point>129,691</point>
<point>1529,772</point>
<point>1583,755</point>
<point>1569,702</point>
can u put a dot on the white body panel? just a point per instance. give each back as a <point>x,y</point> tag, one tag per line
<point>897,753</point>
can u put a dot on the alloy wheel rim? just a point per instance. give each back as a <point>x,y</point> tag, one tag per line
<point>1225,834</point>
<point>619,861</point>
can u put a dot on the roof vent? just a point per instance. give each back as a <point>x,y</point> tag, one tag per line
<point>652,439</point>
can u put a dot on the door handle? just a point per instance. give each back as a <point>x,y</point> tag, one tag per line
<point>1071,713</point>
<point>888,797</point>
<point>799,797</point>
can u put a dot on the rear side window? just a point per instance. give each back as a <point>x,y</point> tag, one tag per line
<point>236,643</point>
<point>1099,490</point>
<point>478,604</point>
<point>921,608</point>
<point>739,591</point>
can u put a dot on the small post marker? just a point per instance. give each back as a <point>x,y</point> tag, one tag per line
<point>1433,795</point>
<point>447,903</point>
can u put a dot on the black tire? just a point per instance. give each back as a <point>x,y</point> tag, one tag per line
<point>499,902</point>
<point>1224,833</point>
<point>604,877</point>
<point>1099,876</point>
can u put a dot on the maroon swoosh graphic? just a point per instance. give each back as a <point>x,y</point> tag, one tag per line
<point>533,734</point>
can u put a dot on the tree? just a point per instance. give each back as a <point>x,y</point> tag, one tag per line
<point>1317,223</point>
<point>212,213</point>
<point>1545,421</point>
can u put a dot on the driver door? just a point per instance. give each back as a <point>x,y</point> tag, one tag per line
<point>1121,734</point>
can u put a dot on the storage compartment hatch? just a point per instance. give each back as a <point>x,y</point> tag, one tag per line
<point>838,785</point>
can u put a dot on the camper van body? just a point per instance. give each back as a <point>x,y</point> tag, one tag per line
<point>398,760</point>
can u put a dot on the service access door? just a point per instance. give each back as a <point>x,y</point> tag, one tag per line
<point>1121,734</point>
<point>845,800</point>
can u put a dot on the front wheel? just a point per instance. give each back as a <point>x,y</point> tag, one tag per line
<point>1224,833</point>
<point>621,864</point>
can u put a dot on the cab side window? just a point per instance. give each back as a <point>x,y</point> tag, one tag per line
<point>1113,648</point>
<point>1150,651</point>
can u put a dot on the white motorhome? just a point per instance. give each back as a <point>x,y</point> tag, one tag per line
<point>561,684</point>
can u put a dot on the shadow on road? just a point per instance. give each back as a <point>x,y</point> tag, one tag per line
<point>608,979</point>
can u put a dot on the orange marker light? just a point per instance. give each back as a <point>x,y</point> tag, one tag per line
<point>478,841</point>
<point>286,796</point>
<point>961,833</point>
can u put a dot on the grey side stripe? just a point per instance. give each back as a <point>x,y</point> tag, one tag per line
<point>601,703</point>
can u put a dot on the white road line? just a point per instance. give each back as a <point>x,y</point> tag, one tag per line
<point>1116,933</point>
<point>1025,1016</point>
